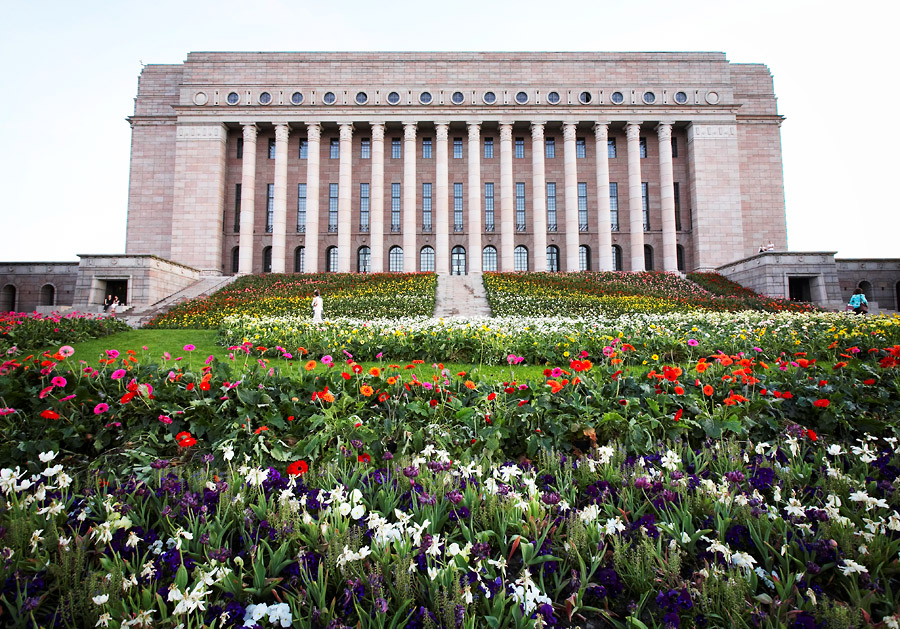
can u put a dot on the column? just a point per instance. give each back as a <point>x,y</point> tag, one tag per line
<point>539,195</point>
<point>248,186</point>
<point>376,200</point>
<point>667,195</point>
<point>635,206</point>
<point>345,226</point>
<point>314,153</point>
<point>571,171</point>
<point>604,223</point>
<point>410,256</point>
<point>507,211</point>
<point>441,201</point>
<point>279,215</point>
<point>473,256</point>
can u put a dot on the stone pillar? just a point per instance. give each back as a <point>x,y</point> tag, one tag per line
<point>473,257</point>
<point>539,196</point>
<point>376,200</point>
<point>667,195</point>
<point>635,207</point>
<point>279,215</point>
<point>314,153</point>
<point>604,229</point>
<point>410,256</point>
<point>507,209</point>
<point>441,201</point>
<point>345,226</point>
<point>248,187</point>
<point>571,169</point>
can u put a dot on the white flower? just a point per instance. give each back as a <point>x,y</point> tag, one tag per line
<point>9,478</point>
<point>48,456</point>
<point>685,538</point>
<point>670,461</point>
<point>891,622</point>
<point>257,476</point>
<point>36,539</point>
<point>132,540</point>
<point>100,599</point>
<point>614,525</point>
<point>104,619</point>
<point>604,455</point>
<point>64,542</point>
<point>835,449</point>
<point>228,453</point>
<point>63,480</point>
<point>280,613</point>
<point>795,508</point>
<point>358,511</point>
<point>743,561</point>
<point>253,613</point>
<point>345,509</point>
<point>851,567</point>
<point>52,471</point>
<point>589,514</point>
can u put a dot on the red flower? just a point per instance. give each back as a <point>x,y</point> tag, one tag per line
<point>523,402</point>
<point>491,396</point>
<point>357,368</point>
<point>707,390</point>
<point>297,468</point>
<point>787,395</point>
<point>190,386</point>
<point>433,403</point>
<point>678,414</point>
<point>48,414</point>
<point>679,390</point>
<point>821,403</point>
<point>363,458</point>
<point>260,429</point>
<point>812,435</point>
<point>869,382</point>
<point>345,375</point>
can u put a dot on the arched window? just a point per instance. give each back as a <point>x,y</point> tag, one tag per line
<point>235,259</point>
<point>489,259</point>
<point>363,260</point>
<point>616,258</point>
<point>331,258</point>
<point>553,259</point>
<point>679,256</point>
<point>458,261</point>
<point>426,260</point>
<point>8,298</point>
<point>866,289</point>
<point>300,260</point>
<point>584,258</point>
<point>267,260</point>
<point>395,259</point>
<point>48,295</point>
<point>520,258</point>
<point>648,258</point>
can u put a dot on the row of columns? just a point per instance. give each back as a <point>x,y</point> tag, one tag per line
<point>441,197</point>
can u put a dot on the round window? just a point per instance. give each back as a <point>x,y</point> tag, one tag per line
<point>712,98</point>
<point>362,98</point>
<point>200,98</point>
<point>233,98</point>
<point>649,98</point>
<point>393,98</point>
<point>490,98</point>
<point>521,98</point>
<point>425,98</point>
<point>265,98</point>
<point>553,98</point>
<point>297,98</point>
<point>329,98</point>
<point>457,98</point>
<point>680,98</point>
<point>617,98</point>
<point>584,98</point>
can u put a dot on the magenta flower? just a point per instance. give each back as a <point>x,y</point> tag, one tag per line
<point>189,348</point>
<point>67,398</point>
<point>101,408</point>
<point>58,381</point>
<point>209,360</point>
<point>167,356</point>
<point>66,351</point>
<point>165,419</point>
<point>112,353</point>
<point>693,342</point>
<point>556,373</point>
<point>118,374</point>
<point>7,411</point>
<point>327,360</point>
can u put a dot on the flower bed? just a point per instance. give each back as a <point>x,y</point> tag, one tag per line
<point>377,295</point>
<point>588,294</point>
<point>30,331</point>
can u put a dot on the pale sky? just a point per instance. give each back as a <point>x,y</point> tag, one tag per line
<point>69,70</point>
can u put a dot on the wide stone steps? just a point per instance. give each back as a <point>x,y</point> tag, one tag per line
<point>204,287</point>
<point>460,296</point>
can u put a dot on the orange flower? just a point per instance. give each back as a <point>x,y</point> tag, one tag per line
<point>310,365</point>
<point>707,390</point>
<point>375,372</point>
<point>328,397</point>
<point>839,365</point>
<point>701,367</point>
<point>726,361</point>
<point>366,390</point>
<point>392,380</point>
<point>469,384</point>
<point>554,386</point>
<point>679,390</point>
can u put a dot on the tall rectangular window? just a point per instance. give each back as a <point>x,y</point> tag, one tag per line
<point>489,207</point>
<point>301,208</point>
<point>676,189</point>
<point>426,207</point>
<point>457,207</point>
<point>426,148</point>
<point>611,148</point>
<point>335,148</point>
<point>271,148</point>
<point>237,208</point>
<point>304,149</point>
<point>395,207</point>
<point>520,148</point>
<point>645,205</point>
<point>270,206</point>
<point>580,148</point>
<point>642,144</point>
<point>674,147</point>
<point>614,206</point>
<point>550,148</point>
<point>520,206</point>
<point>457,148</point>
<point>240,148</point>
<point>363,207</point>
<point>396,151</point>
<point>582,207</point>
<point>551,206</point>
<point>332,207</point>
<point>365,148</point>
<point>489,148</point>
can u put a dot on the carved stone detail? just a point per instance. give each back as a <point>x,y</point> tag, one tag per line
<point>633,130</point>
<point>313,131</point>
<point>505,132</point>
<point>537,131</point>
<point>201,132</point>
<point>601,131</point>
<point>569,132</point>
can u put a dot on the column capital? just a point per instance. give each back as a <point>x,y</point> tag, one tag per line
<point>250,131</point>
<point>346,130</point>
<point>313,131</point>
<point>664,130</point>
<point>633,130</point>
<point>442,130</point>
<point>506,132</point>
<point>537,129</point>
<point>409,130</point>
<point>474,129</point>
<point>569,131</point>
<point>378,131</point>
<point>282,131</point>
<point>601,130</point>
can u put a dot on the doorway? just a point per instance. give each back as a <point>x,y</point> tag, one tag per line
<point>458,261</point>
<point>117,288</point>
<point>799,289</point>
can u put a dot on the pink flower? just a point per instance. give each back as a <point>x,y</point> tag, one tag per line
<point>67,398</point>
<point>693,342</point>
<point>112,353</point>
<point>101,408</point>
<point>6,411</point>
<point>66,350</point>
<point>165,419</point>
<point>286,356</point>
<point>144,348</point>
<point>189,348</point>
<point>209,360</point>
<point>327,360</point>
<point>167,356</point>
<point>58,381</point>
<point>118,374</point>
<point>556,373</point>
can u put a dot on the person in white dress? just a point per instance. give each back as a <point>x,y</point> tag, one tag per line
<point>317,307</point>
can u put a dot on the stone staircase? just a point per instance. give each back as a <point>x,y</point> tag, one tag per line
<point>460,296</point>
<point>204,287</point>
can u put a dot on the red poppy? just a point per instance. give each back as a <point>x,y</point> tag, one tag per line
<point>345,375</point>
<point>812,435</point>
<point>48,414</point>
<point>297,468</point>
<point>678,414</point>
<point>679,390</point>
<point>433,403</point>
<point>260,429</point>
<point>821,403</point>
<point>491,396</point>
<point>363,458</point>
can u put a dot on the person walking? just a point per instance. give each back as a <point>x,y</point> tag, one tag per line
<point>317,307</point>
<point>858,302</point>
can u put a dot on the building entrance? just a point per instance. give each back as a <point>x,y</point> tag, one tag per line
<point>117,288</point>
<point>458,261</point>
<point>799,288</point>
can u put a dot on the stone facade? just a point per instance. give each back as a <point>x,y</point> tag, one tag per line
<point>37,286</point>
<point>146,279</point>
<point>229,149</point>
<point>879,279</point>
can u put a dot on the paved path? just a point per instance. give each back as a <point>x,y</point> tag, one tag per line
<point>460,296</point>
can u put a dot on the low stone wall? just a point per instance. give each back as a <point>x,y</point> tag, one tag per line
<point>29,286</point>
<point>771,273</point>
<point>149,278</point>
